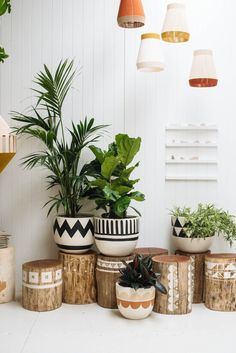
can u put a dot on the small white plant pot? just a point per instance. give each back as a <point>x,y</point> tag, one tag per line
<point>192,245</point>
<point>74,235</point>
<point>135,304</point>
<point>116,237</point>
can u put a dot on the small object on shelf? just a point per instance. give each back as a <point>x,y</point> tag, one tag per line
<point>198,274</point>
<point>182,141</point>
<point>107,274</point>
<point>4,237</point>
<point>151,251</point>
<point>196,141</point>
<point>182,158</point>
<point>194,158</point>
<point>172,157</point>
<point>220,273</point>
<point>176,276</point>
<point>79,284</point>
<point>207,141</point>
<point>42,285</point>
<point>7,274</point>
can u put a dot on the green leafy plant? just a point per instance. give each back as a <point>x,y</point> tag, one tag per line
<point>112,189</point>
<point>206,221</point>
<point>139,274</point>
<point>5,6</point>
<point>59,157</point>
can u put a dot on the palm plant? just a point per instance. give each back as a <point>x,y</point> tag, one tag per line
<point>61,158</point>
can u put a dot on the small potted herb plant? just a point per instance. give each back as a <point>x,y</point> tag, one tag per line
<point>116,232</point>
<point>194,230</point>
<point>60,155</point>
<point>136,288</point>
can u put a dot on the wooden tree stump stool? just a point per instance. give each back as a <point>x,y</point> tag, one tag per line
<point>107,274</point>
<point>176,276</point>
<point>198,274</point>
<point>151,251</point>
<point>42,285</point>
<point>79,285</point>
<point>7,275</point>
<point>220,272</point>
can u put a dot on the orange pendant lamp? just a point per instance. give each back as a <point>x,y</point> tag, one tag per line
<point>7,144</point>
<point>175,28</point>
<point>131,14</point>
<point>203,72</point>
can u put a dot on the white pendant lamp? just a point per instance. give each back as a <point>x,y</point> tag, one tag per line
<point>150,56</point>
<point>175,28</point>
<point>203,72</point>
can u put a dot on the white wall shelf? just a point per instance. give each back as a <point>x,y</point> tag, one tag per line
<point>191,128</point>
<point>195,161</point>
<point>191,145</point>
<point>191,152</point>
<point>190,178</point>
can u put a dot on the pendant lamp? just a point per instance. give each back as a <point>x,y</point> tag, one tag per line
<point>175,28</point>
<point>150,56</point>
<point>131,14</point>
<point>7,144</point>
<point>203,72</point>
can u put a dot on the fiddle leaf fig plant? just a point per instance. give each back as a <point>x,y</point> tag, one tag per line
<point>139,274</point>
<point>113,189</point>
<point>5,6</point>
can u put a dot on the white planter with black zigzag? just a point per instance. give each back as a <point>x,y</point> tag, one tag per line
<point>74,235</point>
<point>116,237</point>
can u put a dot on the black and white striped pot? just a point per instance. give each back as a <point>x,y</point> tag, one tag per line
<point>74,235</point>
<point>116,237</point>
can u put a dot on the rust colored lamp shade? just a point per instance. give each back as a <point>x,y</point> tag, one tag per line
<point>131,14</point>
<point>203,72</point>
<point>150,56</point>
<point>7,144</point>
<point>175,28</point>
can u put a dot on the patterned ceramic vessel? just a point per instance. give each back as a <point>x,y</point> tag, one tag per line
<point>178,226</point>
<point>192,245</point>
<point>116,237</point>
<point>135,304</point>
<point>74,235</point>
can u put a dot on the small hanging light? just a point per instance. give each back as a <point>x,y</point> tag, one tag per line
<point>7,144</point>
<point>131,14</point>
<point>150,56</point>
<point>175,28</point>
<point>203,72</point>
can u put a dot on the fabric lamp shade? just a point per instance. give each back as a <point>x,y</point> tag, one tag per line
<point>203,72</point>
<point>7,144</point>
<point>131,14</point>
<point>175,28</point>
<point>150,56</point>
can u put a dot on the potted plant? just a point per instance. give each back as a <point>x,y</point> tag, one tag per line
<point>116,232</point>
<point>194,231</point>
<point>73,232</point>
<point>5,6</point>
<point>136,288</point>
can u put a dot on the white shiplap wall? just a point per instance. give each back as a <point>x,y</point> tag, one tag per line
<point>110,89</point>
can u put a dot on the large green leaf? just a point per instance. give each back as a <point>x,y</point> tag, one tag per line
<point>110,194</point>
<point>121,205</point>
<point>137,196</point>
<point>127,147</point>
<point>108,166</point>
<point>98,153</point>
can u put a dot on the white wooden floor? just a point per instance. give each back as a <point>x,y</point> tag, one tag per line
<point>92,329</point>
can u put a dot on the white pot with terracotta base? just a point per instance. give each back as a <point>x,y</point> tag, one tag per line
<point>74,235</point>
<point>192,245</point>
<point>135,304</point>
<point>116,237</point>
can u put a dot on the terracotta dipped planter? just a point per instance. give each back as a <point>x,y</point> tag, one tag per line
<point>74,235</point>
<point>116,237</point>
<point>135,304</point>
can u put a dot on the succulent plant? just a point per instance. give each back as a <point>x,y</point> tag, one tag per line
<point>139,274</point>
